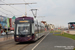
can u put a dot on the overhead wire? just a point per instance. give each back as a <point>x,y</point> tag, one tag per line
<point>25,2</point>
<point>10,11</point>
<point>28,4</point>
<point>13,7</point>
<point>5,13</point>
<point>6,10</point>
<point>8,14</point>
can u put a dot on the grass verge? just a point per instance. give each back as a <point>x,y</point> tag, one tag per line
<point>74,49</point>
<point>67,35</point>
<point>55,31</point>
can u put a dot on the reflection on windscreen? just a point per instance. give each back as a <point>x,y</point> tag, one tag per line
<point>23,29</point>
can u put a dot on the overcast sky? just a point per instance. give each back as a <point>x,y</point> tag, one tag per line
<point>57,12</point>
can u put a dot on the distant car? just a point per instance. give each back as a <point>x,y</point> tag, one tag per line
<point>11,32</point>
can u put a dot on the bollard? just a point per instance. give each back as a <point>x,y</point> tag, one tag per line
<point>68,31</point>
<point>0,32</point>
<point>53,31</point>
<point>61,32</point>
<point>4,38</point>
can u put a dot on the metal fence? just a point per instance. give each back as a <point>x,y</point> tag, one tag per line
<point>6,37</point>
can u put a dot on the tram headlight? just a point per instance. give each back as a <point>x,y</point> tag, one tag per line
<point>17,36</point>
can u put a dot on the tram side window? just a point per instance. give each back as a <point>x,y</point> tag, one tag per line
<point>36,28</point>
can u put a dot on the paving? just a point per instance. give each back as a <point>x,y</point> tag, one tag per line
<point>70,31</point>
<point>6,38</point>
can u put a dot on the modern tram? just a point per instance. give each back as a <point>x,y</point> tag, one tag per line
<point>28,29</point>
<point>71,25</point>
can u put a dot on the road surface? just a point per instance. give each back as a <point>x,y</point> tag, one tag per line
<point>52,42</point>
<point>47,42</point>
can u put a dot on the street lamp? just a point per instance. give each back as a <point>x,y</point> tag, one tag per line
<point>7,22</point>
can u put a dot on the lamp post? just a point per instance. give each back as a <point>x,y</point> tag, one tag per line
<point>7,23</point>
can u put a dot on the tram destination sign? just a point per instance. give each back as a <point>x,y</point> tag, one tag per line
<point>24,21</point>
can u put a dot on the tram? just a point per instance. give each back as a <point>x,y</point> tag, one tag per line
<point>28,29</point>
<point>71,25</point>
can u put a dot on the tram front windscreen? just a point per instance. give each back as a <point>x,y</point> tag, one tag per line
<point>23,29</point>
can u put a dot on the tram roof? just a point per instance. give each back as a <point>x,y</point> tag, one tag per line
<point>19,18</point>
<point>71,23</point>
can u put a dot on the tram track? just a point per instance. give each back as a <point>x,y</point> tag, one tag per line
<point>11,45</point>
<point>18,47</point>
<point>14,46</point>
<point>5,43</point>
<point>24,47</point>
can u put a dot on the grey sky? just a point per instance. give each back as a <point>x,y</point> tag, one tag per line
<point>57,12</point>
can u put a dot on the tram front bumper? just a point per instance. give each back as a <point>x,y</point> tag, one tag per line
<point>22,39</point>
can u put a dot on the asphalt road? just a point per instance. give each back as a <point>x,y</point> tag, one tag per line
<point>52,42</point>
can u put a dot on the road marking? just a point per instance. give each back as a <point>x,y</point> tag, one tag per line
<point>39,42</point>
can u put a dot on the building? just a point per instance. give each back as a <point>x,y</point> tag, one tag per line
<point>3,21</point>
<point>12,22</point>
<point>52,27</point>
<point>46,25</point>
<point>7,22</point>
